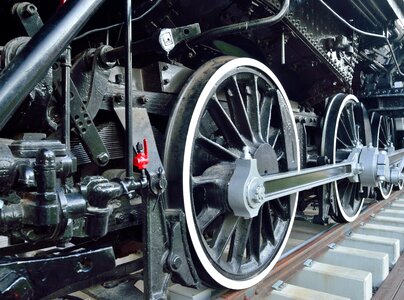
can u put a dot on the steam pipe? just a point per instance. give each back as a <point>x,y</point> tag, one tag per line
<point>33,62</point>
<point>240,27</point>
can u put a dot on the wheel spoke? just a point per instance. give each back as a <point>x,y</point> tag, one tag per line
<point>239,243</point>
<point>253,111</point>
<point>254,242</point>
<point>346,134</point>
<point>268,227</point>
<point>348,196</point>
<point>223,236</point>
<point>351,122</point>
<point>281,210</point>
<point>207,216</point>
<point>238,109</point>
<point>343,143</point>
<point>215,149</point>
<point>383,137</point>
<point>355,193</point>
<point>273,136</point>
<point>225,124</point>
<point>266,113</point>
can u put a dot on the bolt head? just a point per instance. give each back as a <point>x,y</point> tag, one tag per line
<point>143,100</point>
<point>31,9</point>
<point>175,262</point>
<point>162,183</point>
<point>103,158</point>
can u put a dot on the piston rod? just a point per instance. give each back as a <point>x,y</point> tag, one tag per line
<point>33,62</point>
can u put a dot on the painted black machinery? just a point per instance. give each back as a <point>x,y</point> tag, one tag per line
<point>192,133</point>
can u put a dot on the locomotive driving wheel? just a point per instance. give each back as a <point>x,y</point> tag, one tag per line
<point>346,128</point>
<point>230,108</point>
<point>382,138</point>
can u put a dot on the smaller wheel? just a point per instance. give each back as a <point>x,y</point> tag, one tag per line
<point>346,127</point>
<point>382,138</point>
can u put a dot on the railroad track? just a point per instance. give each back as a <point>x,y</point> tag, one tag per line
<point>345,261</point>
<point>338,261</point>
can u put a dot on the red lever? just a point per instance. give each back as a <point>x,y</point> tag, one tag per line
<point>141,159</point>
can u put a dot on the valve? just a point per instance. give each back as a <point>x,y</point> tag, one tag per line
<point>141,159</point>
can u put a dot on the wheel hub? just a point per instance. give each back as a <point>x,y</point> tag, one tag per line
<point>246,192</point>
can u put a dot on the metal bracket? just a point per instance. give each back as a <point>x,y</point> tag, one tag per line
<point>332,246</point>
<point>308,263</point>
<point>25,278</point>
<point>170,37</point>
<point>279,285</point>
<point>30,19</point>
<point>179,260</point>
<point>84,124</point>
<point>155,275</point>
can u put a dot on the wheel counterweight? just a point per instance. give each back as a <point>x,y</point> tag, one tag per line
<point>230,108</point>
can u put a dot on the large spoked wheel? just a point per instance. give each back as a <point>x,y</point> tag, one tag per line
<point>346,128</point>
<point>230,104</point>
<point>382,138</point>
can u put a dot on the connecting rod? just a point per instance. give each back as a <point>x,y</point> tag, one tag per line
<point>248,190</point>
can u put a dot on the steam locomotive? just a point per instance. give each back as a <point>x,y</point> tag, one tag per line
<point>192,132</point>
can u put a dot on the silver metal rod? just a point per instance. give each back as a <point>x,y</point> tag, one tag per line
<point>280,185</point>
<point>396,156</point>
<point>66,67</point>
<point>128,90</point>
<point>283,59</point>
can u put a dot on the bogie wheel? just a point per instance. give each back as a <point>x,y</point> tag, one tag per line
<point>383,138</point>
<point>229,105</point>
<point>346,128</point>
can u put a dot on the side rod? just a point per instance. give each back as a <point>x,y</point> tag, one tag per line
<point>396,156</point>
<point>280,185</point>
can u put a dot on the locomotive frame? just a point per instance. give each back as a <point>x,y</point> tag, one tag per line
<point>191,149</point>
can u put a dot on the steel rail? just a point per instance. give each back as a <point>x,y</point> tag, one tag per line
<point>288,265</point>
